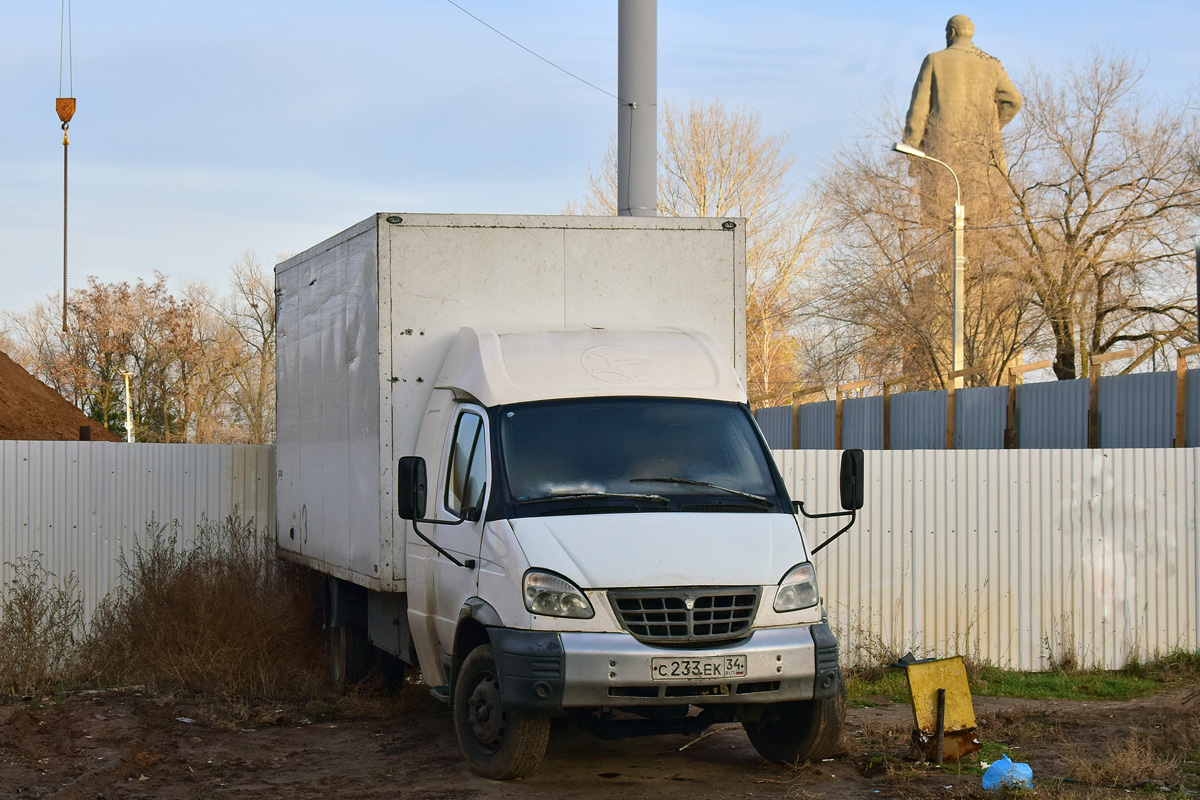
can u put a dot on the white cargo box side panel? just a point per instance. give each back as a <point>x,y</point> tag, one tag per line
<point>328,437</point>
<point>439,273</point>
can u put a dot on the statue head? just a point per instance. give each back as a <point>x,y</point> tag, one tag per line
<point>959,28</point>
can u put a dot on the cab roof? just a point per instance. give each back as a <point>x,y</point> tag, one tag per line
<point>497,368</point>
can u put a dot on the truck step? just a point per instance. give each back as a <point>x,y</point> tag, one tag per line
<point>441,693</point>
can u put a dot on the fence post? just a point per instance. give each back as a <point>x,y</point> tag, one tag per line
<point>954,376</point>
<point>1094,392</point>
<point>796,395</point>
<point>887,407</point>
<point>1181,392</point>
<point>1010,429</point>
<point>837,414</point>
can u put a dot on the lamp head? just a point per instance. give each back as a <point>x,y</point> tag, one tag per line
<point>908,150</point>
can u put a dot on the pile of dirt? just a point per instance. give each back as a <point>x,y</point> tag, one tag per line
<point>31,410</point>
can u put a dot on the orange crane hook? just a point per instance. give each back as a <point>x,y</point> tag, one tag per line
<point>65,106</point>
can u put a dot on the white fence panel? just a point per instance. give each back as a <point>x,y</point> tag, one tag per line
<point>1018,557</point>
<point>79,504</point>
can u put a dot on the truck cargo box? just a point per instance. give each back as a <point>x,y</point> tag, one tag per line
<point>366,318</point>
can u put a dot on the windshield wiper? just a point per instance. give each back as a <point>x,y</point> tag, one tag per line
<point>657,498</point>
<point>690,482</point>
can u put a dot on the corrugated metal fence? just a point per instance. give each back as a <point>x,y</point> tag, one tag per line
<point>79,504</point>
<point>1017,557</point>
<point>1135,411</point>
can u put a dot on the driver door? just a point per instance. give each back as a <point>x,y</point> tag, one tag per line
<point>462,495</point>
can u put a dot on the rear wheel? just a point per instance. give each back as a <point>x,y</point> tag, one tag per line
<point>803,730</point>
<point>349,655</point>
<point>499,743</point>
<point>391,669</point>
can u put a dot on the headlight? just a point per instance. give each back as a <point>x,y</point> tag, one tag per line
<point>798,589</point>
<point>553,596</point>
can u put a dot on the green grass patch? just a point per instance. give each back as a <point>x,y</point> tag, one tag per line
<point>864,689</point>
<point>871,686</point>
<point>1082,685</point>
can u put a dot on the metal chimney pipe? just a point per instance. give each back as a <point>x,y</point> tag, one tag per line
<point>637,119</point>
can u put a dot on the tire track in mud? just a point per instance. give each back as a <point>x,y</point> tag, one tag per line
<point>143,751</point>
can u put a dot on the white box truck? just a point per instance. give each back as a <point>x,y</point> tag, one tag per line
<point>520,449</point>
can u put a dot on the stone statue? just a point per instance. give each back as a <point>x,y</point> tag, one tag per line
<point>961,100</point>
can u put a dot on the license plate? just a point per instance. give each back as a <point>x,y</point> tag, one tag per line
<point>690,669</point>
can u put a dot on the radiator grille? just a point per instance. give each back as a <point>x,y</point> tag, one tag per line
<point>681,616</point>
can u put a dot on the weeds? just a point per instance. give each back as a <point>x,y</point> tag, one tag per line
<point>220,615</point>
<point>1180,665</point>
<point>40,619</point>
<point>1132,761</point>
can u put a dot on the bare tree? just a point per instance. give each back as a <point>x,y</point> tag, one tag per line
<point>1106,189</point>
<point>249,312</point>
<point>202,365</point>
<point>1081,245</point>
<point>884,291</point>
<point>85,363</point>
<point>207,361</point>
<point>714,163</point>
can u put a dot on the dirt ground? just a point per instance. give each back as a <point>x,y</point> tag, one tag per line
<point>31,410</point>
<point>131,744</point>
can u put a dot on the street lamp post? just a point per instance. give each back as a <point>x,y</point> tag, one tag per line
<point>128,412</point>
<point>959,259</point>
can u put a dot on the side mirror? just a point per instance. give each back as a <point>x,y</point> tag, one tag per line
<point>411,487</point>
<point>852,480</point>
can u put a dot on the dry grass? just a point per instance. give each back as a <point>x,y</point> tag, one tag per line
<point>40,619</point>
<point>219,615</point>
<point>1022,725</point>
<point>1128,762</point>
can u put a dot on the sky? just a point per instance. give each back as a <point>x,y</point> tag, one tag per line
<point>206,129</point>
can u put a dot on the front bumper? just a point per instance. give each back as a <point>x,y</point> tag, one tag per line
<point>550,670</point>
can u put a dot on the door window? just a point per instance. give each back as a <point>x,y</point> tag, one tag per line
<point>467,469</point>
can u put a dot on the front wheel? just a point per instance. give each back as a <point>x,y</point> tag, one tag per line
<point>803,730</point>
<point>499,743</point>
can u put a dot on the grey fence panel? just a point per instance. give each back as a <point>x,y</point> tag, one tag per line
<point>979,418</point>
<point>1052,415</point>
<point>816,425</point>
<point>1138,410</point>
<point>1012,557</point>
<point>80,504</point>
<point>776,424</point>
<point>1135,411</point>
<point>918,421</point>
<point>1192,431</point>
<point>862,423</point>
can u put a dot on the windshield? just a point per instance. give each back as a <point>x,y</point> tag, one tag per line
<point>617,454</point>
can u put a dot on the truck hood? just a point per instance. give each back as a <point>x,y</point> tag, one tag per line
<point>609,551</point>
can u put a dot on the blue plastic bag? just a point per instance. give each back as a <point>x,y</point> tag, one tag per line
<point>1007,771</point>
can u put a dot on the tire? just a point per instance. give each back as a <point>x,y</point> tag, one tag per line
<point>499,743</point>
<point>803,730</point>
<point>391,669</point>
<point>349,655</point>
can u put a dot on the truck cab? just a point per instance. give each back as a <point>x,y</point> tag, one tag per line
<point>597,530</point>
